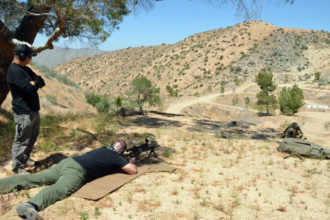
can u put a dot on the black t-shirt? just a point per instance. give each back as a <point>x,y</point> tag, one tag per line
<point>25,96</point>
<point>101,162</point>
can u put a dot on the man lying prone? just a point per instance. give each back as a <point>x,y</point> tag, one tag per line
<point>67,177</point>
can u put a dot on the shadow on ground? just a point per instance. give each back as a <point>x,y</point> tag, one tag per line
<point>48,162</point>
<point>238,131</point>
<point>152,122</point>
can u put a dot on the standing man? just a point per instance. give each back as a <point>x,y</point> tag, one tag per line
<point>67,177</point>
<point>24,84</point>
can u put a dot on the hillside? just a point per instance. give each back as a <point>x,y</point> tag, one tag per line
<point>58,97</point>
<point>58,55</point>
<point>223,171</point>
<point>198,64</point>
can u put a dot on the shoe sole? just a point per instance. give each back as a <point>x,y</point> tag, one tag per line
<point>28,213</point>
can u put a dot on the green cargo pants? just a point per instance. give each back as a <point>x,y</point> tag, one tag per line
<point>63,179</point>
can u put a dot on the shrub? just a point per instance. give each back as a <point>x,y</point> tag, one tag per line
<point>171,91</point>
<point>92,99</point>
<point>236,81</point>
<point>103,106</point>
<point>291,99</point>
<point>101,103</point>
<point>235,100</point>
<point>247,101</point>
<point>222,89</point>
<point>317,76</point>
<point>118,103</point>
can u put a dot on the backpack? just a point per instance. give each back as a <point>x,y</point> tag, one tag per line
<point>298,147</point>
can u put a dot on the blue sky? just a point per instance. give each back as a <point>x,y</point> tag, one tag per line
<point>171,21</point>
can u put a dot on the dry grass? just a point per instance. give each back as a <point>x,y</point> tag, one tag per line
<point>216,178</point>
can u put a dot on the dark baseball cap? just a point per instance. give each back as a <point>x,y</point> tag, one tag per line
<point>24,50</point>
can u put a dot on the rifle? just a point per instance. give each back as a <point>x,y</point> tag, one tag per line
<point>137,150</point>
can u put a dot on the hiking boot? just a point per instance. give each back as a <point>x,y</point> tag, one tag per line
<point>27,211</point>
<point>21,171</point>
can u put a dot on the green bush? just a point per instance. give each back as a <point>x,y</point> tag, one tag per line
<point>317,76</point>
<point>171,91</point>
<point>101,103</point>
<point>291,99</point>
<point>103,106</point>
<point>92,98</point>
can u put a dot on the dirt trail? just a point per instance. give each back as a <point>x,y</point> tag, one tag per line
<point>178,107</point>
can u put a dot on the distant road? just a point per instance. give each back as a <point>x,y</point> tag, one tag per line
<point>177,108</point>
<point>208,99</point>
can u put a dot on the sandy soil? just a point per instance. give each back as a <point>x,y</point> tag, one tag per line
<point>222,173</point>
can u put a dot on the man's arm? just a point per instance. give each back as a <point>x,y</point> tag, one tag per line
<point>19,79</point>
<point>130,168</point>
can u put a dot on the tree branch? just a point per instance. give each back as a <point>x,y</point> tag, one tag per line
<point>58,31</point>
<point>5,33</point>
<point>40,14</point>
<point>49,44</point>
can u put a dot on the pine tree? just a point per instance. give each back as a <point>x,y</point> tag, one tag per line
<point>264,98</point>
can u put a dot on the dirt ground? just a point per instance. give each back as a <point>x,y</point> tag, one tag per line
<point>222,172</point>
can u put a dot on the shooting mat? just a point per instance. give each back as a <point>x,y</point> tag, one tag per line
<point>102,186</point>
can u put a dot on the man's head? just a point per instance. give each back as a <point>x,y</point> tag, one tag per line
<point>23,52</point>
<point>119,146</point>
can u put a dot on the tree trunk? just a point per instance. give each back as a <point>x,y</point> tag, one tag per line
<point>6,56</point>
<point>27,31</point>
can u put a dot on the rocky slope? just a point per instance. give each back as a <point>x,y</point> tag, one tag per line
<point>198,64</point>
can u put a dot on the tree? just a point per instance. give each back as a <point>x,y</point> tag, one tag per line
<point>90,21</point>
<point>291,99</point>
<point>265,81</point>
<point>144,91</point>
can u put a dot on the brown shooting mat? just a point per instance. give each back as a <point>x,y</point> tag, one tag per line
<point>103,186</point>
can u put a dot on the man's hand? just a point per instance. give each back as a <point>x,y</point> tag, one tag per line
<point>132,160</point>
